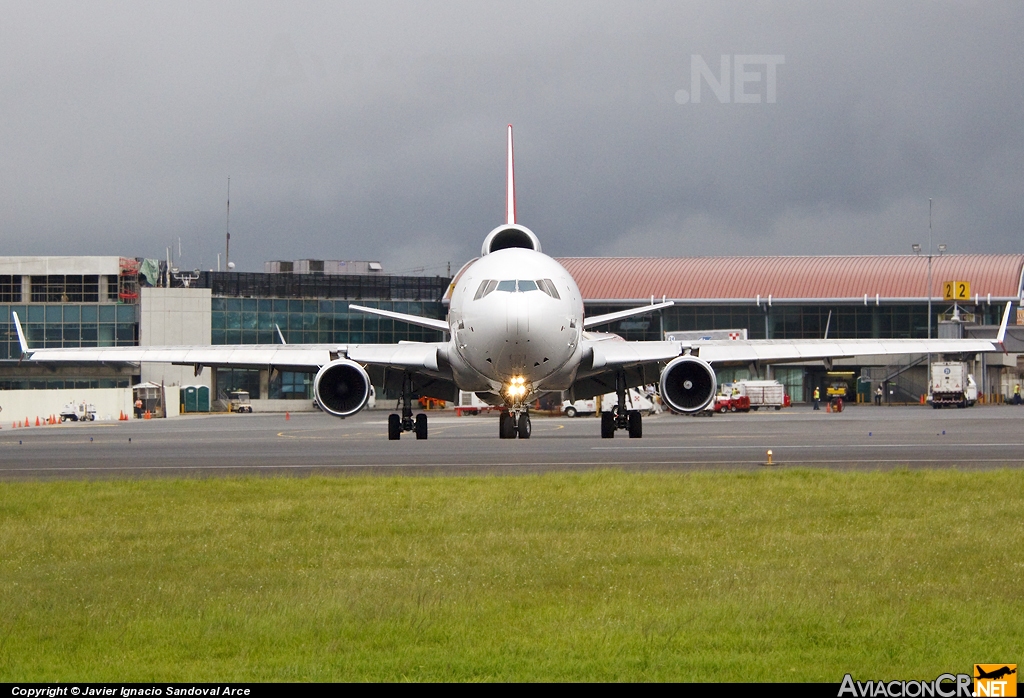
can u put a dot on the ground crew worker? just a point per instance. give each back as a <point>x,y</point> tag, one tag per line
<point>1016,394</point>
<point>878,396</point>
<point>817,397</point>
<point>138,408</point>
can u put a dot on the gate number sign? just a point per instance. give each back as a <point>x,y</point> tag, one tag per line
<point>956,291</point>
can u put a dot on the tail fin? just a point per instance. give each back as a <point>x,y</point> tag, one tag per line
<point>510,185</point>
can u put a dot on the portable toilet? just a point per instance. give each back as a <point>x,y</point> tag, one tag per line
<point>202,398</point>
<point>189,398</point>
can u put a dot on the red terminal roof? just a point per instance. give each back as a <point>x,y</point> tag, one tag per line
<point>790,278</point>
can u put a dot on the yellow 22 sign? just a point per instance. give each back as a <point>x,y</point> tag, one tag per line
<point>956,291</point>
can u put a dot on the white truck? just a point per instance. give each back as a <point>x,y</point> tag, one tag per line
<point>760,393</point>
<point>951,384</point>
<point>635,400</point>
<point>78,412</point>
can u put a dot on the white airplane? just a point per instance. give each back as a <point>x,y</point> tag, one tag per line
<point>516,331</point>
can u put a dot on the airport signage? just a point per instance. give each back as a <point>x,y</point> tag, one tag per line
<point>956,291</point>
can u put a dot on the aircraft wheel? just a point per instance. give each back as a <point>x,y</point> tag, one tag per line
<point>607,425</point>
<point>570,411</point>
<point>394,427</point>
<point>421,426</point>
<point>506,426</point>
<point>636,424</point>
<point>524,427</point>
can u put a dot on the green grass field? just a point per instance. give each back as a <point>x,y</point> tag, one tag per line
<point>770,576</point>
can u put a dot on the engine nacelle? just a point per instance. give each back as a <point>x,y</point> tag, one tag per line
<point>510,236</point>
<point>341,388</point>
<point>688,384</point>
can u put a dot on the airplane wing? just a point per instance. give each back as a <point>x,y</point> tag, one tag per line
<point>604,356</point>
<point>725,352</point>
<point>404,355</point>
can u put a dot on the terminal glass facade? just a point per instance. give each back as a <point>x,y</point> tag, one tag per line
<point>254,321</point>
<point>68,325</point>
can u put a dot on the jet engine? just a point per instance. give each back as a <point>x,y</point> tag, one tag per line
<point>688,384</point>
<point>510,236</point>
<point>341,388</point>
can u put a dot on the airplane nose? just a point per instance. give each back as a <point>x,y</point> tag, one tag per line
<point>517,314</point>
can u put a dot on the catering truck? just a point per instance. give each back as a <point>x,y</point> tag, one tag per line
<point>951,384</point>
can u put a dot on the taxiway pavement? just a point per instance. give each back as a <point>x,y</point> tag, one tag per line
<point>863,437</point>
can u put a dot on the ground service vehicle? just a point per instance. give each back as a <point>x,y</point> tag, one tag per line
<point>78,413</point>
<point>238,401</point>
<point>635,400</point>
<point>765,394</point>
<point>726,401</point>
<point>951,384</point>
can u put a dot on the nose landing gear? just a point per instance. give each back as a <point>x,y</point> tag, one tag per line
<point>510,426</point>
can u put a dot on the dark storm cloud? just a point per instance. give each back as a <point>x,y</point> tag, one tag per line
<point>356,132</point>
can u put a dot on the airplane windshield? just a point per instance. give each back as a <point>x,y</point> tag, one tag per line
<point>514,285</point>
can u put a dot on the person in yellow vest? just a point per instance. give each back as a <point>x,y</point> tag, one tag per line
<point>1016,394</point>
<point>817,397</point>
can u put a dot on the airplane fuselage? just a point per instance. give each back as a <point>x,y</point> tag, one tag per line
<point>516,318</point>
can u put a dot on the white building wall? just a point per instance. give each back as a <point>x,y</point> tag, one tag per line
<point>19,405</point>
<point>175,317</point>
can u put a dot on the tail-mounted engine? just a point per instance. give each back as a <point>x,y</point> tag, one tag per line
<point>688,384</point>
<point>341,388</point>
<point>510,236</point>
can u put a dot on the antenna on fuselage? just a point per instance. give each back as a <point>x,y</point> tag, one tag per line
<point>510,185</point>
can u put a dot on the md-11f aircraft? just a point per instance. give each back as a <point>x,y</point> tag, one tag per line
<point>516,331</point>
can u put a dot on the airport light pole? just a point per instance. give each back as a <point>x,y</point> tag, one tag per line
<point>917,250</point>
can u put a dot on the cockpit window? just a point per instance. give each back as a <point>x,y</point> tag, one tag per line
<point>507,285</point>
<point>486,286</point>
<point>526,285</point>
<point>548,287</point>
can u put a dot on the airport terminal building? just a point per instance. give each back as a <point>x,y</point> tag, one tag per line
<point>115,301</point>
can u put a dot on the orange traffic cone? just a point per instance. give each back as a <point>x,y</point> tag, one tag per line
<point>26,421</point>
<point>147,415</point>
<point>37,420</point>
<point>287,416</point>
<point>828,406</point>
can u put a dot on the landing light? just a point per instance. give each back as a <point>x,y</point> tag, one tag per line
<point>516,387</point>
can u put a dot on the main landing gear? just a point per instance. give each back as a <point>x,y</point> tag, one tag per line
<point>510,426</point>
<point>397,424</point>
<point>620,417</point>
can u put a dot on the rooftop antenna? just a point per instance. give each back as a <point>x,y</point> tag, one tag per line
<point>227,230</point>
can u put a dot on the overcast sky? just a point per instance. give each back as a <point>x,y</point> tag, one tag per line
<point>377,130</point>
